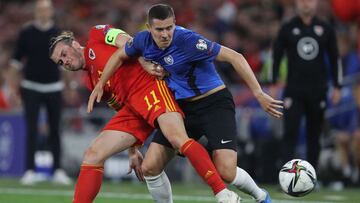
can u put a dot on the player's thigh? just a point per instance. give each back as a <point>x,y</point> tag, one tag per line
<point>156,158</point>
<point>157,106</point>
<point>293,112</point>
<point>129,121</point>
<point>125,129</point>
<point>153,100</point>
<point>314,110</point>
<point>108,143</point>
<point>173,128</point>
<point>220,126</point>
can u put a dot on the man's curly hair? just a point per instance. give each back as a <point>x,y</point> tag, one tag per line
<point>66,36</point>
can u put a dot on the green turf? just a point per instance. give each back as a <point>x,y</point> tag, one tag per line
<point>126,192</point>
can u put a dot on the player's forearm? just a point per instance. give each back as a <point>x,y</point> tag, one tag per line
<point>114,62</point>
<point>142,61</point>
<point>243,68</point>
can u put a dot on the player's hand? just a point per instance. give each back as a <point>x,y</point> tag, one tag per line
<point>135,161</point>
<point>96,94</point>
<point>270,105</point>
<point>161,72</point>
<point>155,70</point>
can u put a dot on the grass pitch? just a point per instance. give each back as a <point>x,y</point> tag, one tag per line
<point>128,192</point>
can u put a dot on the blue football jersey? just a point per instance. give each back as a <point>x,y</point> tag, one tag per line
<point>188,59</point>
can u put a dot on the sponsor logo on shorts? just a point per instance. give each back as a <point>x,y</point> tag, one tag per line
<point>225,141</point>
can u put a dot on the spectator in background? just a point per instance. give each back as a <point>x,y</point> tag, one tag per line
<point>40,86</point>
<point>356,138</point>
<point>343,117</point>
<point>306,39</point>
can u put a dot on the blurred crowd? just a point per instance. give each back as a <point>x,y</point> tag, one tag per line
<point>247,26</point>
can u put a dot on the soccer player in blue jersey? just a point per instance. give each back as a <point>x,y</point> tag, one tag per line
<point>186,63</point>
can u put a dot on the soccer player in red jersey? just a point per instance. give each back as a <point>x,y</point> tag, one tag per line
<point>142,103</point>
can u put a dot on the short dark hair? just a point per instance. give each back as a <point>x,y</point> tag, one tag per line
<point>160,11</point>
<point>65,36</point>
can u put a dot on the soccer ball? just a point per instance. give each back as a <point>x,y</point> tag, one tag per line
<point>297,178</point>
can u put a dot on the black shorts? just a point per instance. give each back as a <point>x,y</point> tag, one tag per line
<point>212,117</point>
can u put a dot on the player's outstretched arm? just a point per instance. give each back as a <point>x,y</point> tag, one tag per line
<point>111,66</point>
<point>114,62</point>
<point>242,67</point>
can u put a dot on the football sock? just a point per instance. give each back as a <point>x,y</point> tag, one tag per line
<point>88,183</point>
<point>245,183</point>
<point>200,160</point>
<point>159,188</point>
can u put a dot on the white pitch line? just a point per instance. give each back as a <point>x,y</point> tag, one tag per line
<point>139,196</point>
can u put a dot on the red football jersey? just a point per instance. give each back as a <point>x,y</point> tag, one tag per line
<point>97,53</point>
<point>143,98</point>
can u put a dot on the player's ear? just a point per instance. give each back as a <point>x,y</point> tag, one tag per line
<point>75,44</point>
<point>148,26</point>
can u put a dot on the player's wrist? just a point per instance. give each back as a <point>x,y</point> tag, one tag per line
<point>132,151</point>
<point>100,83</point>
<point>258,93</point>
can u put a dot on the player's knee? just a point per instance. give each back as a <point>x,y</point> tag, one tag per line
<point>174,131</point>
<point>92,156</point>
<point>176,141</point>
<point>176,138</point>
<point>227,173</point>
<point>149,170</point>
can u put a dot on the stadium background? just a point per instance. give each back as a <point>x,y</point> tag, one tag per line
<point>247,26</point>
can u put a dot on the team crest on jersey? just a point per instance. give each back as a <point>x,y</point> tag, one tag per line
<point>169,60</point>
<point>92,55</point>
<point>319,30</point>
<point>201,45</point>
